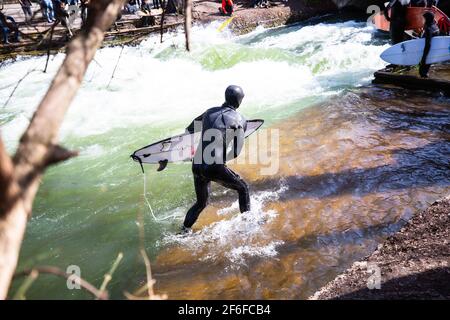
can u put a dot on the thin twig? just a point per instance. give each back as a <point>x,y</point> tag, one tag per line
<point>150,281</point>
<point>108,276</point>
<point>50,45</point>
<point>148,271</point>
<point>97,63</point>
<point>139,292</point>
<point>21,292</point>
<point>17,85</point>
<point>46,32</point>
<point>7,86</point>
<point>115,67</point>
<point>73,277</point>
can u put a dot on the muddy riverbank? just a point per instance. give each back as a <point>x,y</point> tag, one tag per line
<point>413,263</point>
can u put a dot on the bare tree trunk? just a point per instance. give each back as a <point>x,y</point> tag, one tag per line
<point>13,219</point>
<point>38,148</point>
<point>188,22</point>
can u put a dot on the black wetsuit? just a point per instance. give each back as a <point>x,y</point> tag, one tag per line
<point>397,20</point>
<point>228,126</point>
<point>430,30</point>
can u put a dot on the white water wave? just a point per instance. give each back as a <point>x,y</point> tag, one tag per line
<point>236,239</point>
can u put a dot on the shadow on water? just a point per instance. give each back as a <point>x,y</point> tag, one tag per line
<point>342,238</point>
<point>410,170</point>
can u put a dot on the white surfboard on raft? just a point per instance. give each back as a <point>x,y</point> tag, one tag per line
<point>409,53</point>
<point>179,148</point>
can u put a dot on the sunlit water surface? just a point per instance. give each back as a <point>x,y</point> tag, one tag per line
<point>354,163</point>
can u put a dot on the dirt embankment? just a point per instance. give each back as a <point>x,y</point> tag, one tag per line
<point>412,264</point>
<point>280,13</point>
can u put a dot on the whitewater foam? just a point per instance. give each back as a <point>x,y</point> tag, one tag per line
<point>237,238</point>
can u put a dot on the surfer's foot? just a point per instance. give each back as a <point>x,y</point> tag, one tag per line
<point>245,215</point>
<point>184,230</point>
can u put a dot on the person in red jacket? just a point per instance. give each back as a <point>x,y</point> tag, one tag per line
<point>227,7</point>
<point>444,26</point>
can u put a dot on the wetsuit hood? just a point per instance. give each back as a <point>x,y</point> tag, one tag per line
<point>234,96</point>
<point>429,18</point>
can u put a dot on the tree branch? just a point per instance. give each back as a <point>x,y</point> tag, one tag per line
<point>17,85</point>
<point>103,295</point>
<point>38,147</point>
<point>57,153</point>
<point>49,45</point>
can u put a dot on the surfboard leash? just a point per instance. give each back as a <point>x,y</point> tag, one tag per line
<point>138,159</point>
<point>145,196</point>
<point>147,201</point>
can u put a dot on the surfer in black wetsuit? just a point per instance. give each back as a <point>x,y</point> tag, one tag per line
<point>223,133</point>
<point>430,30</point>
<point>397,19</point>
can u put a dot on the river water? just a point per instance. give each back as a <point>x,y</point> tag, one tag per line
<point>354,162</point>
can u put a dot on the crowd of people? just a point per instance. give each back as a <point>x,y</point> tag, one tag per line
<point>53,11</point>
<point>65,12</point>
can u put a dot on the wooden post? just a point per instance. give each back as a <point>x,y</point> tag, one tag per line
<point>188,22</point>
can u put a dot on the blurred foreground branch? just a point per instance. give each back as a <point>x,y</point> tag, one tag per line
<point>34,272</point>
<point>38,148</point>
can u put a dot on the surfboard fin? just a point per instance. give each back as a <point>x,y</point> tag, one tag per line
<point>162,165</point>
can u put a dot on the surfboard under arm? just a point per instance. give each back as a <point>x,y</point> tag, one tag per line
<point>179,148</point>
<point>410,52</point>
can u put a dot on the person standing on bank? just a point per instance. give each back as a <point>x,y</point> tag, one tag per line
<point>227,7</point>
<point>8,25</point>
<point>430,30</point>
<point>397,19</point>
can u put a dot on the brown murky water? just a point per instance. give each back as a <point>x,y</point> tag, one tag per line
<point>351,172</point>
